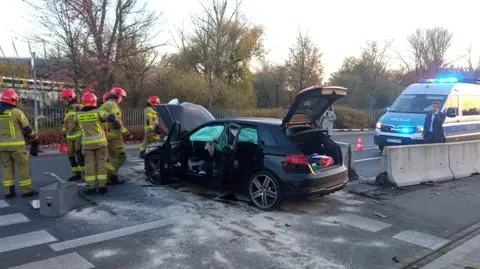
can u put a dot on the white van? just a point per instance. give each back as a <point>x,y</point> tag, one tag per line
<point>403,121</point>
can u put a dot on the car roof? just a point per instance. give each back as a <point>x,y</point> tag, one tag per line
<point>250,120</point>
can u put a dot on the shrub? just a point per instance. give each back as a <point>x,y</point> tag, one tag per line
<point>137,133</point>
<point>48,136</point>
<point>349,118</point>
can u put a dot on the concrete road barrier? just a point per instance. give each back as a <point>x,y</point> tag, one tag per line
<point>414,164</point>
<point>348,159</point>
<point>464,158</point>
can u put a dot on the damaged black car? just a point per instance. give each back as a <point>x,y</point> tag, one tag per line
<point>271,159</point>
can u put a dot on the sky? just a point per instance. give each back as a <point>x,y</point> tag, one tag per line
<point>339,27</point>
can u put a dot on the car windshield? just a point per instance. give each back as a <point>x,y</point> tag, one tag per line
<point>416,103</point>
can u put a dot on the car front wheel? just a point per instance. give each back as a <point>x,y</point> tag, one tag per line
<point>153,170</point>
<point>264,190</point>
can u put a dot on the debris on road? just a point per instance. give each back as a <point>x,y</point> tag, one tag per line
<point>395,259</point>
<point>287,225</point>
<point>380,215</point>
<point>35,204</point>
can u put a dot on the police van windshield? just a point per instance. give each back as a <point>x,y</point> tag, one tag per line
<point>416,103</point>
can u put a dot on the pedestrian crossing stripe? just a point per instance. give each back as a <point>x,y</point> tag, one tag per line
<point>11,219</point>
<point>25,240</point>
<point>71,261</point>
<point>421,239</point>
<point>3,204</point>
<point>356,221</point>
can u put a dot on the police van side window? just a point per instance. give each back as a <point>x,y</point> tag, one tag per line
<point>470,105</point>
<point>452,103</point>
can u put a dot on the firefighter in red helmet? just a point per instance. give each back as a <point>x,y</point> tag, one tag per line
<point>14,130</point>
<point>116,147</point>
<point>72,133</point>
<point>154,127</point>
<point>94,142</point>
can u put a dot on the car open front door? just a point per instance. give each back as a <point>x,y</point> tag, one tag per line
<point>225,157</point>
<point>171,165</point>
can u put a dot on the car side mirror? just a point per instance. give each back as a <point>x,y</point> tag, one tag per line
<point>451,112</point>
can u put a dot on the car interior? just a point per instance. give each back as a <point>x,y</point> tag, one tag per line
<point>216,156</point>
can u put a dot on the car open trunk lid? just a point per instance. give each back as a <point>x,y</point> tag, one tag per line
<point>311,103</point>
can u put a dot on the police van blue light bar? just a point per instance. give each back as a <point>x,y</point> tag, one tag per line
<point>440,80</point>
<point>451,80</point>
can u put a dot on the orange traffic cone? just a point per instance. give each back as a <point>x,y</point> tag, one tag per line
<point>359,146</point>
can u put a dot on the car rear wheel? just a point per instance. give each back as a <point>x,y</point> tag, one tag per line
<point>264,190</point>
<point>153,170</point>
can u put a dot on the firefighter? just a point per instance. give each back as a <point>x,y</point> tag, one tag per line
<point>116,147</point>
<point>153,127</point>
<point>94,142</point>
<point>72,133</point>
<point>14,130</point>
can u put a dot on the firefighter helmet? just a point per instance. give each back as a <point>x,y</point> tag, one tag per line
<point>153,100</point>
<point>68,95</point>
<point>10,96</point>
<point>105,96</point>
<point>89,99</point>
<point>118,92</point>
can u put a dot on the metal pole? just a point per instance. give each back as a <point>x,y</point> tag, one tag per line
<point>35,106</point>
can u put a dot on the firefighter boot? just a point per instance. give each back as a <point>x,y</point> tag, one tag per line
<point>89,191</point>
<point>76,177</point>
<point>11,192</point>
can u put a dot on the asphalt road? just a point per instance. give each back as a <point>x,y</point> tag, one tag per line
<point>137,225</point>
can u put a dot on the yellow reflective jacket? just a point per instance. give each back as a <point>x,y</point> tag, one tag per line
<point>13,122</point>
<point>90,123</point>
<point>111,107</point>
<point>70,129</point>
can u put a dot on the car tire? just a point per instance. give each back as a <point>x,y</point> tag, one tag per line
<point>264,190</point>
<point>153,170</point>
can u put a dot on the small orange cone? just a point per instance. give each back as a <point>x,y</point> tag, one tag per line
<point>359,146</point>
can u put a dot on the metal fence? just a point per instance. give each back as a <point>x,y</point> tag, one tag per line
<point>53,117</point>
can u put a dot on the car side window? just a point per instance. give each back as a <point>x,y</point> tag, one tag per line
<point>267,138</point>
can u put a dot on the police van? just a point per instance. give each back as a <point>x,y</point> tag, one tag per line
<point>459,99</point>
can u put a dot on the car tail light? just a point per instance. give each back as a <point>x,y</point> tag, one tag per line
<point>297,164</point>
<point>298,159</point>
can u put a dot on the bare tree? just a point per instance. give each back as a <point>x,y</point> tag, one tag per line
<point>99,33</point>
<point>220,46</point>
<point>304,66</point>
<point>429,48</point>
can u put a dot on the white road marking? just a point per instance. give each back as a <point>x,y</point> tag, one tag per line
<point>367,159</point>
<point>12,219</point>
<point>70,260</point>
<point>458,254</point>
<point>421,239</point>
<point>96,238</point>
<point>3,204</point>
<point>356,221</point>
<point>25,240</point>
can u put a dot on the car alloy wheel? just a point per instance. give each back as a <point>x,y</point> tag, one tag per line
<point>153,170</point>
<point>264,190</point>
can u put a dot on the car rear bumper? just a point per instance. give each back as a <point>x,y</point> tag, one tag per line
<point>315,185</point>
